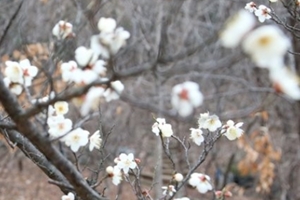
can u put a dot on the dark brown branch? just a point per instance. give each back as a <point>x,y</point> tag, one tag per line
<point>30,131</point>
<point>65,96</point>
<point>36,156</point>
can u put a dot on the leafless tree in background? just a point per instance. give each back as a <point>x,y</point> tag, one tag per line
<point>171,41</point>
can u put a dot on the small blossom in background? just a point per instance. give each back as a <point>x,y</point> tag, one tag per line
<point>251,7</point>
<point>168,190</point>
<point>178,177</point>
<point>85,57</point>
<point>91,100</point>
<point>114,91</point>
<point>155,126</point>
<point>76,139</point>
<point>18,75</point>
<point>115,174</point>
<point>161,126</point>
<point>166,130</point>
<point>263,13</point>
<point>236,27</point>
<point>201,182</point>
<point>95,141</point>
<point>29,72</point>
<point>67,70</point>
<point>126,162</point>
<point>70,196</point>
<point>58,126</point>
<point>221,195</point>
<point>233,131</point>
<point>62,30</point>
<point>273,1</point>
<point>297,2</point>
<point>186,97</point>
<point>110,40</point>
<point>61,107</point>
<point>197,136</point>
<point>107,25</point>
<point>210,122</point>
<point>267,46</point>
<point>285,81</point>
<point>14,72</point>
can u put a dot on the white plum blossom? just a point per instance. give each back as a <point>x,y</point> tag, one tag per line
<point>236,28</point>
<point>114,91</point>
<point>115,174</point>
<point>197,136</point>
<point>232,131</point>
<point>273,1</point>
<point>95,141</point>
<point>15,88</point>
<point>99,68</point>
<point>166,130</point>
<point>267,46</point>
<point>18,75</point>
<point>201,182</point>
<point>119,41</point>
<point>70,196</point>
<point>263,13</point>
<point>77,138</point>
<point>178,177</point>
<point>61,107</point>
<point>126,162</point>
<point>210,122</point>
<point>155,126</point>
<point>67,70</point>
<point>168,190</point>
<point>91,100</point>
<point>161,126</point>
<point>186,97</point>
<point>110,40</point>
<point>84,77</point>
<point>85,57</point>
<point>14,72</point>
<point>251,7</point>
<point>107,25</point>
<point>29,71</point>
<point>59,126</point>
<point>285,81</point>
<point>99,48</point>
<point>62,30</point>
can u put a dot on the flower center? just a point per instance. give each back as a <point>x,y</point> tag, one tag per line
<point>264,41</point>
<point>184,94</point>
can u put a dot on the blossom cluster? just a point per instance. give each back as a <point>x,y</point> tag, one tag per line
<point>212,123</point>
<point>123,164</point>
<point>262,12</point>
<point>61,128</point>
<point>19,75</point>
<point>63,30</point>
<point>87,66</point>
<point>86,75</point>
<point>161,127</point>
<point>266,46</point>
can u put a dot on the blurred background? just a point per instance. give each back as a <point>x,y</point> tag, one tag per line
<point>171,41</point>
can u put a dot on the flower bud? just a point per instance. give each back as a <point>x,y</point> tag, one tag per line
<point>178,177</point>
